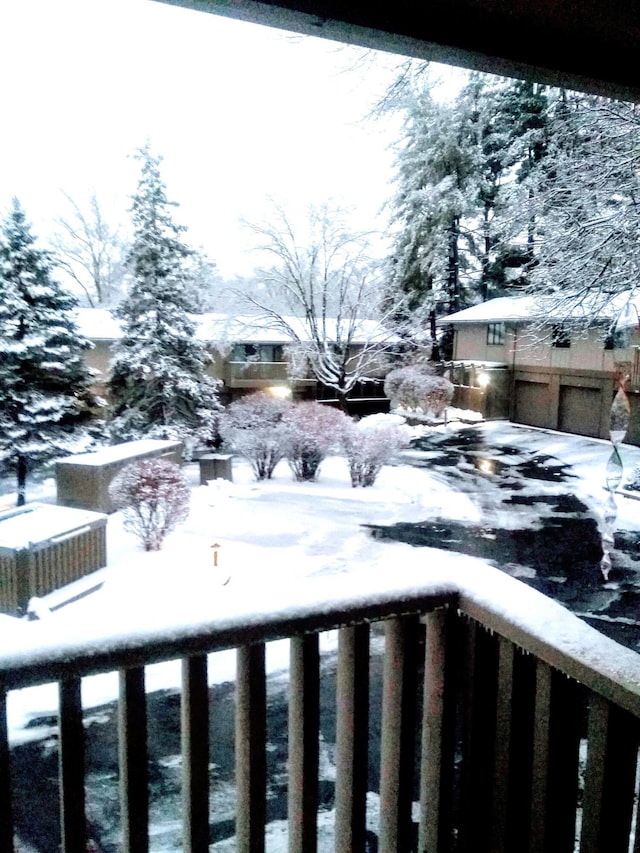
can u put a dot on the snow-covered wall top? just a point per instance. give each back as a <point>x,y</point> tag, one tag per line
<point>118,452</point>
<point>38,523</point>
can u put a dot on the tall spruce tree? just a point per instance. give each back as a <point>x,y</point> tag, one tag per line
<point>46,405</point>
<point>158,387</point>
<point>437,178</point>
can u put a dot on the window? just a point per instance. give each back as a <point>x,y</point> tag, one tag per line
<point>495,334</point>
<point>618,339</point>
<point>265,353</point>
<point>560,338</point>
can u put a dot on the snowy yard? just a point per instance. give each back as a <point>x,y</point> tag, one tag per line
<point>281,533</point>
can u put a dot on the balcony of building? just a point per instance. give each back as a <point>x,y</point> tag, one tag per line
<point>505,723</point>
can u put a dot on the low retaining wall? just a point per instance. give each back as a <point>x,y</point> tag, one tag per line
<point>44,547</point>
<point>83,481</point>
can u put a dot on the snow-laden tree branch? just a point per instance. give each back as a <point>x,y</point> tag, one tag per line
<point>323,291</point>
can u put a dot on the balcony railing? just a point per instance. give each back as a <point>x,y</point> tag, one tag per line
<point>507,724</point>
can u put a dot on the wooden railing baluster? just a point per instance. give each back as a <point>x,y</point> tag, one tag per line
<point>73,826</point>
<point>133,758</point>
<point>304,722</point>
<point>397,747</point>
<point>438,734</point>
<point>502,757</point>
<point>195,754</point>
<point>6,809</point>
<point>251,735</point>
<point>352,739</point>
<point>538,834</point>
<point>478,738</point>
<point>557,733</point>
<point>610,778</point>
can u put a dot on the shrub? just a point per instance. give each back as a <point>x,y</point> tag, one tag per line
<point>252,426</point>
<point>312,430</point>
<point>416,387</point>
<point>153,496</point>
<point>371,443</point>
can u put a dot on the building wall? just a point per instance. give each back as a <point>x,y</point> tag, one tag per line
<point>523,347</point>
<point>568,389</point>
<point>242,377</point>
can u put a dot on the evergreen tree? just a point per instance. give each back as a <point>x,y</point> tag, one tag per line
<point>437,175</point>
<point>46,406</point>
<point>525,115</point>
<point>495,231</point>
<point>158,387</point>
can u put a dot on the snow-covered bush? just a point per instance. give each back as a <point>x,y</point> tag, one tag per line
<point>153,496</point>
<point>312,430</point>
<point>416,387</point>
<point>252,426</point>
<point>371,443</point>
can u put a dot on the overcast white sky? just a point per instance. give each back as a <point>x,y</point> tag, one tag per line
<point>238,112</point>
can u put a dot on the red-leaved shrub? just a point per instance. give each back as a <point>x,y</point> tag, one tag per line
<point>252,426</point>
<point>416,387</point>
<point>153,496</point>
<point>371,443</point>
<point>312,431</point>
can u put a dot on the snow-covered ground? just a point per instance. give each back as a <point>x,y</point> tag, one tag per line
<point>276,533</point>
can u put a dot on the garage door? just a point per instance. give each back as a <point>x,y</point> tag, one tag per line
<point>533,404</point>
<point>580,410</point>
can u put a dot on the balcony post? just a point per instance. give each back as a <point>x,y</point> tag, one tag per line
<point>397,764</point>
<point>6,810</point>
<point>251,735</point>
<point>438,735</point>
<point>304,721</point>
<point>195,754</point>
<point>352,739</point>
<point>134,774</point>
<point>72,799</point>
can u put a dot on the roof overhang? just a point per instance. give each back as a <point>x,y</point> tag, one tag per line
<point>591,46</point>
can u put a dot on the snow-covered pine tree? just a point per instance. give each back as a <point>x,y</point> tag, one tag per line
<point>437,186</point>
<point>46,405</point>
<point>158,386</point>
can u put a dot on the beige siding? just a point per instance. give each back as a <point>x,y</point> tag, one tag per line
<point>523,348</point>
<point>471,345</point>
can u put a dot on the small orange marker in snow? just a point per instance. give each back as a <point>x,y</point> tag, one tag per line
<point>215,547</point>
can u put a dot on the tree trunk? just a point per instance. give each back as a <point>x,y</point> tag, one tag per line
<point>22,480</point>
<point>342,402</point>
<point>453,266</point>
<point>433,331</point>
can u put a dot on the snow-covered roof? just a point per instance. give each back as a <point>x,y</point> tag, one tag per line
<point>118,452</point>
<point>516,309</point>
<point>521,309</point>
<point>38,523</point>
<point>99,324</point>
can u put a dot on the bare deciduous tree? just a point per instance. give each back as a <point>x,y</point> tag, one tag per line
<point>91,252</point>
<point>325,293</point>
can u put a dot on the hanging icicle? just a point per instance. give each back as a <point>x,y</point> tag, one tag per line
<point>618,426</point>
